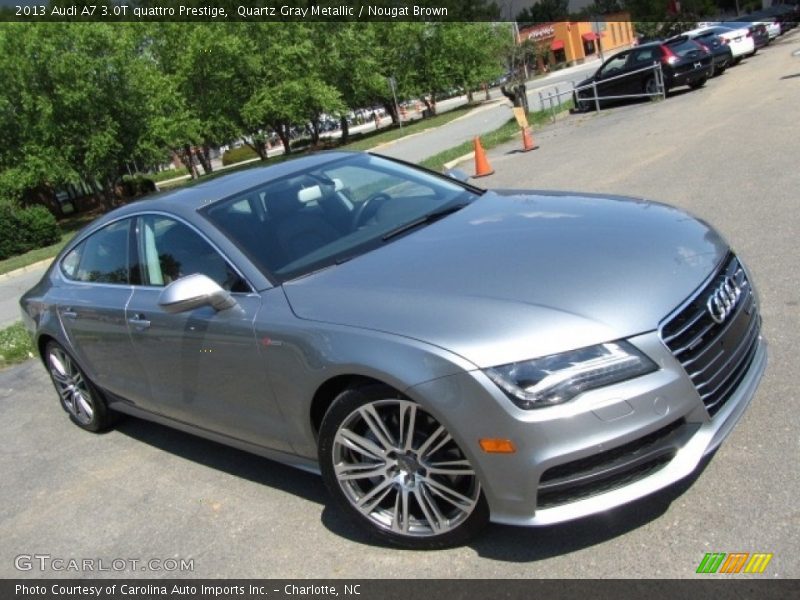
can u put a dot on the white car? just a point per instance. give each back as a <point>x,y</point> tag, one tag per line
<point>772,25</point>
<point>740,41</point>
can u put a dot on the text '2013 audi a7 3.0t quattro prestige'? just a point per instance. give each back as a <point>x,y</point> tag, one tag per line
<point>443,355</point>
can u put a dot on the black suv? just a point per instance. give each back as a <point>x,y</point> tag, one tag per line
<point>683,62</point>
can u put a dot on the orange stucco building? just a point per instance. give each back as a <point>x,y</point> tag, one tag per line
<point>572,42</point>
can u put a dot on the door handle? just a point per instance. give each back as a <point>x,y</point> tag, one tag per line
<point>69,313</point>
<point>139,322</point>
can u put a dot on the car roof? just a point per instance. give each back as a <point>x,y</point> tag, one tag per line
<point>649,45</point>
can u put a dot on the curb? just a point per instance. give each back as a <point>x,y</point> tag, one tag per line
<point>486,105</point>
<point>17,272</point>
<point>460,159</point>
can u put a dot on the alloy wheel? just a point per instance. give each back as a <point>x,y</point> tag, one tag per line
<point>73,389</point>
<point>401,469</point>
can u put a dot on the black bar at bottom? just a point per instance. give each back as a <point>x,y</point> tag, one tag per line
<point>712,586</point>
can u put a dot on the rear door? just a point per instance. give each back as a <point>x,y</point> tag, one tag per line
<point>91,307</point>
<point>640,60</point>
<point>203,366</point>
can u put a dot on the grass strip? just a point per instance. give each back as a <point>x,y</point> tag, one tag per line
<point>68,229</point>
<point>15,345</point>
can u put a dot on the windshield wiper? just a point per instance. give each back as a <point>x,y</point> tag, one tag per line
<point>426,220</point>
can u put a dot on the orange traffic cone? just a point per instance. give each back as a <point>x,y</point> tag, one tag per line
<point>482,166</point>
<point>527,140</point>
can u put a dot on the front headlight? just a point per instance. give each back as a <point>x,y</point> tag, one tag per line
<point>557,378</point>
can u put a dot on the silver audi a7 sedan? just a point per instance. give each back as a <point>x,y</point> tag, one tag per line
<point>442,355</point>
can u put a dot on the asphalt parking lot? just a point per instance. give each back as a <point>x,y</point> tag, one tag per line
<point>727,153</point>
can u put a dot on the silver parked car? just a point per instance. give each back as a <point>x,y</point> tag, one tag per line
<point>443,355</point>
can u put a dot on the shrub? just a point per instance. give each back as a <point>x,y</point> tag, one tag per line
<point>301,143</point>
<point>237,155</point>
<point>137,185</point>
<point>23,229</point>
<point>167,174</point>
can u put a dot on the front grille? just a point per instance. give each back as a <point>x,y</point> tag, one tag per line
<point>715,356</point>
<point>613,468</point>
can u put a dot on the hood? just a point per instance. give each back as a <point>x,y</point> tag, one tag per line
<point>511,277</point>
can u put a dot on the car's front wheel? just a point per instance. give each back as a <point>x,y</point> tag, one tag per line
<point>394,468</point>
<point>82,401</point>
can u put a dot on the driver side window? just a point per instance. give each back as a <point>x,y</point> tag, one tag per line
<point>169,250</point>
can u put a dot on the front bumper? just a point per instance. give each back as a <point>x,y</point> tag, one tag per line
<point>604,422</point>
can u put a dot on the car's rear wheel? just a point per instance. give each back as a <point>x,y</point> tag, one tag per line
<point>651,88</point>
<point>79,397</point>
<point>394,468</point>
<point>699,83</point>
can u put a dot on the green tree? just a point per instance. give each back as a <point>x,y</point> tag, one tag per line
<point>73,104</point>
<point>353,66</point>
<point>544,11</point>
<point>474,52</point>
<point>291,83</point>
<point>210,71</point>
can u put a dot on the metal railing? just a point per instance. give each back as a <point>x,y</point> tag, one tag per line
<point>553,99</point>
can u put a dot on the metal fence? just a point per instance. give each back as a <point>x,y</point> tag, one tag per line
<point>551,100</point>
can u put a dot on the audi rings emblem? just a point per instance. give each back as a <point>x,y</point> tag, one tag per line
<point>722,302</point>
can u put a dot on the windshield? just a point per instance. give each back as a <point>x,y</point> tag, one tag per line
<point>334,212</point>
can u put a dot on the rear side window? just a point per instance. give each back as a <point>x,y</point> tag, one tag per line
<point>645,56</point>
<point>102,257</point>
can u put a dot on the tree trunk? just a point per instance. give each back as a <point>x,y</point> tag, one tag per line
<point>108,194</point>
<point>470,97</point>
<point>345,126</point>
<point>259,146</point>
<point>204,156</point>
<point>185,156</point>
<point>282,129</point>
<point>391,109</point>
<point>314,131</point>
<point>430,104</point>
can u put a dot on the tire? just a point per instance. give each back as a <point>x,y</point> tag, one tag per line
<point>650,87</point>
<point>737,60</point>
<point>699,83</point>
<point>79,397</point>
<point>719,71</point>
<point>378,451</point>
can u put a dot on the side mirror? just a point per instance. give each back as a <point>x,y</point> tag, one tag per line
<point>194,291</point>
<point>457,174</point>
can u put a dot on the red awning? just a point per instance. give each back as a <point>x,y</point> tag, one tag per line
<point>591,36</point>
<point>557,45</point>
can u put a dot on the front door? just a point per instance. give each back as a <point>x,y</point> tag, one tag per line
<point>609,82</point>
<point>203,366</point>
